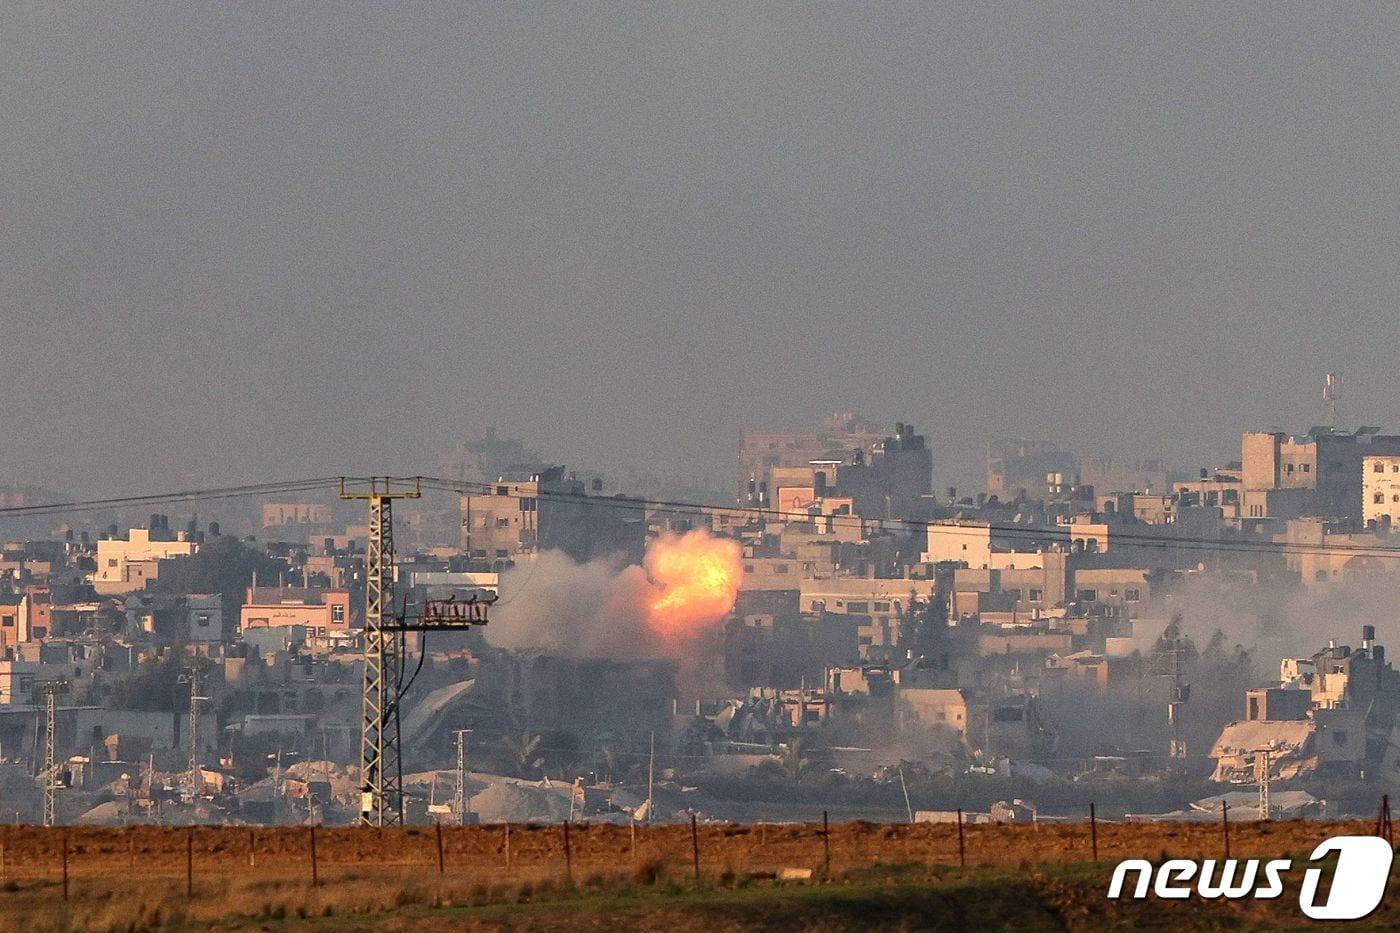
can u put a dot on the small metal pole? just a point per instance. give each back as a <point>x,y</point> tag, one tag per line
<point>1093,832</point>
<point>189,862</point>
<point>633,825</point>
<point>826,843</point>
<point>315,870</point>
<point>1225,825</point>
<point>695,845</point>
<point>252,848</point>
<point>962,849</point>
<point>568,855</point>
<point>507,845</point>
<point>64,844</point>
<point>131,846</point>
<point>442,865</point>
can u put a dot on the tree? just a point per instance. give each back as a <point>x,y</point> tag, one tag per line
<point>224,565</point>
<point>155,684</point>
<point>794,762</point>
<point>521,752</point>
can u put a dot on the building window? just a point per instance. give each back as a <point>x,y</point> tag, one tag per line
<point>201,619</point>
<point>1132,594</point>
<point>337,613</point>
<point>1378,468</point>
<point>1379,498</point>
<point>861,607</point>
<point>1088,596</point>
<point>1035,596</point>
<point>882,607</point>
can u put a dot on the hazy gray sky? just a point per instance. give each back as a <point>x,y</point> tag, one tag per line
<point>246,242</point>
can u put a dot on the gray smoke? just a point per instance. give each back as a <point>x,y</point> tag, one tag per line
<point>583,610</point>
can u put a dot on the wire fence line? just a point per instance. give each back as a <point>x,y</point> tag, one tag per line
<point>205,857</point>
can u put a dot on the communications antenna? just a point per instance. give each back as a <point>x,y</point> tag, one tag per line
<point>459,799</point>
<point>50,689</point>
<point>1331,388</point>
<point>381,755</point>
<point>196,776</point>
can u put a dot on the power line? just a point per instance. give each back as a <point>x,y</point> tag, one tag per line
<point>1041,533</point>
<point>195,495</point>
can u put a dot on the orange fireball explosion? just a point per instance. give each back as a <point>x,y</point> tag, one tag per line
<point>696,580</point>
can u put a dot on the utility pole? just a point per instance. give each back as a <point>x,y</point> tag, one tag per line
<point>460,800</point>
<point>1262,773</point>
<point>1181,692</point>
<point>50,691</point>
<point>651,774</point>
<point>381,759</point>
<point>381,756</point>
<point>196,777</point>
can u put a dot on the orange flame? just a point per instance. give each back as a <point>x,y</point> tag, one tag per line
<point>695,579</point>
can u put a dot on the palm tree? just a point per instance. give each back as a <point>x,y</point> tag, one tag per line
<point>794,761</point>
<point>520,751</point>
<point>610,765</point>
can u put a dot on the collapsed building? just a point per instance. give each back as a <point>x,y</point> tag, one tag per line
<point>1332,715</point>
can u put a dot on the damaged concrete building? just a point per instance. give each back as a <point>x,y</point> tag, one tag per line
<point>1332,715</point>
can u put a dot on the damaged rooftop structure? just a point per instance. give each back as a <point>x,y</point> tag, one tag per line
<point>1332,715</point>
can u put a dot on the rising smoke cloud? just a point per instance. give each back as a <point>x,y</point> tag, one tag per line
<point>686,586</point>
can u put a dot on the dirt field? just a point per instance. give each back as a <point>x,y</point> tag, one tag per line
<point>137,877</point>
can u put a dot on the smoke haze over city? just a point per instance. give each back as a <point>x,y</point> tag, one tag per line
<point>352,235</point>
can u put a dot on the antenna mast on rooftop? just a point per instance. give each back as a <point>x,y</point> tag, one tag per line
<point>1331,388</point>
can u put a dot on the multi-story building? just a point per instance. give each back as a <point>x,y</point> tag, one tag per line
<point>1380,489</point>
<point>277,514</point>
<point>1324,460</point>
<point>525,514</point>
<point>1016,466</point>
<point>125,565</point>
<point>321,612</point>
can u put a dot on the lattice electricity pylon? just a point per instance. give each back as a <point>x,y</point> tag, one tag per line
<point>50,689</point>
<point>381,764</point>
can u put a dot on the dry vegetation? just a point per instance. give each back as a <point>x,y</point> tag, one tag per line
<point>136,878</point>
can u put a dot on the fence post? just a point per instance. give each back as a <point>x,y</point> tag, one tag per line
<point>189,862</point>
<point>962,850</point>
<point>252,848</point>
<point>695,845</point>
<point>632,824</point>
<point>826,845</point>
<point>507,846</point>
<point>315,870</point>
<point>442,867</point>
<point>1225,826</point>
<point>568,854</point>
<point>131,847</point>
<point>1093,832</point>
<point>64,844</point>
